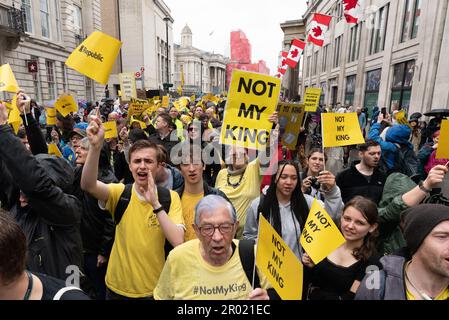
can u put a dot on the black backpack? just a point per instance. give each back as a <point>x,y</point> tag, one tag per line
<point>164,198</point>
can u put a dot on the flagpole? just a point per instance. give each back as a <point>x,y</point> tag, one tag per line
<point>322,141</point>
<point>255,258</point>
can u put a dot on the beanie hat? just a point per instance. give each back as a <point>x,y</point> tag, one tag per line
<point>419,221</point>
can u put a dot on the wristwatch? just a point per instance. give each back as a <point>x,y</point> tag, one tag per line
<point>421,186</point>
<point>156,211</point>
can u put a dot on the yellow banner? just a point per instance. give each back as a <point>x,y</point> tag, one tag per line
<point>165,101</point>
<point>66,104</point>
<point>53,149</point>
<point>95,56</point>
<point>341,129</point>
<point>192,98</point>
<point>51,116</point>
<point>290,120</point>
<point>443,142</point>
<point>7,80</point>
<point>320,236</point>
<point>252,99</point>
<point>312,99</point>
<point>278,262</point>
<point>179,90</point>
<point>127,86</point>
<point>110,130</point>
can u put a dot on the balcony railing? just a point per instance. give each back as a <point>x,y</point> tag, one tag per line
<point>11,21</point>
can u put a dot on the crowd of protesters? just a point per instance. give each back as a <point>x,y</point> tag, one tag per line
<point>164,211</point>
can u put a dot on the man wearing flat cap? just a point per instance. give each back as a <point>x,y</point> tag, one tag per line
<point>426,275</point>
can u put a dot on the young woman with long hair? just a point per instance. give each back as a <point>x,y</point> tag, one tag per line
<point>338,276</point>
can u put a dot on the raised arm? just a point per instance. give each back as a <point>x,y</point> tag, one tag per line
<point>89,182</point>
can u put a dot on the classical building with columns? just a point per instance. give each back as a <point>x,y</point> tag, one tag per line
<point>36,38</point>
<point>396,56</point>
<point>202,71</point>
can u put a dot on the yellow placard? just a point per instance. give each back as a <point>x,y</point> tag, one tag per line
<point>290,119</point>
<point>137,107</point>
<point>127,86</point>
<point>95,56</point>
<point>110,130</point>
<point>192,98</point>
<point>401,118</point>
<point>179,89</point>
<point>53,149</point>
<point>320,236</point>
<point>278,262</point>
<point>14,118</point>
<point>443,142</point>
<point>142,124</point>
<point>51,116</point>
<point>252,99</point>
<point>312,99</point>
<point>7,80</point>
<point>66,104</point>
<point>341,129</point>
<point>165,101</point>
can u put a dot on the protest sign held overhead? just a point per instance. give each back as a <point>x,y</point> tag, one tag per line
<point>110,130</point>
<point>138,106</point>
<point>320,236</point>
<point>95,56</point>
<point>290,120</point>
<point>443,142</point>
<point>7,80</point>
<point>252,99</point>
<point>165,101</point>
<point>54,150</point>
<point>278,262</point>
<point>127,86</point>
<point>341,129</point>
<point>66,104</point>
<point>51,116</point>
<point>312,99</point>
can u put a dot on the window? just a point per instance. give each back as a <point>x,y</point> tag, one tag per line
<point>402,84</point>
<point>354,43</point>
<point>50,65</point>
<point>37,82</point>
<point>309,61</point>
<point>372,89</point>
<point>337,48</point>
<point>315,62</point>
<point>45,23</point>
<point>58,20</point>
<point>78,20</point>
<point>323,87</point>
<point>416,18</point>
<point>378,33</point>
<point>410,24</point>
<point>28,17</point>
<point>350,90</point>
<point>324,61</point>
<point>89,86</point>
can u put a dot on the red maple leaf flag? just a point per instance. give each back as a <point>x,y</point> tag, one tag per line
<point>283,67</point>
<point>295,53</point>
<point>353,10</point>
<point>318,28</point>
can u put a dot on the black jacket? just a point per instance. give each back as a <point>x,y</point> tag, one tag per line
<point>352,183</point>
<point>52,217</point>
<point>97,227</point>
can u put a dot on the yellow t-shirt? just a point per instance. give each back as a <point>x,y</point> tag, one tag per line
<point>242,195</point>
<point>137,256</point>
<point>186,276</point>
<point>189,201</point>
<point>444,295</point>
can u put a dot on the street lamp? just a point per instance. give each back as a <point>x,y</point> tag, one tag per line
<point>167,19</point>
<point>201,75</point>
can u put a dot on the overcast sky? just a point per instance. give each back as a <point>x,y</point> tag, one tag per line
<point>211,22</point>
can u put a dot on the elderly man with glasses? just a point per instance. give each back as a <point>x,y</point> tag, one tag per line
<point>210,267</point>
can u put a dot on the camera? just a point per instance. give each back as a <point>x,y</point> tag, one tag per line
<point>314,183</point>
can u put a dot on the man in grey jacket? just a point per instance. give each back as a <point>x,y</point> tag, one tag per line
<point>426,275</point>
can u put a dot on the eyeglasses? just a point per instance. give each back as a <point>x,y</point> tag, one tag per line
<point>208,230</point>
<point>192,129</point>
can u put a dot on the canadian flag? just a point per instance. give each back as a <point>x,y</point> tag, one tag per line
<point>283,67</point>
<point>353,10</point>
<point>295,52</point>
<point>318,28</point>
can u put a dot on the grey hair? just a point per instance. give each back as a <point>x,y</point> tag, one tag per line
<point>85,143</point>
<point>210,204</point>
